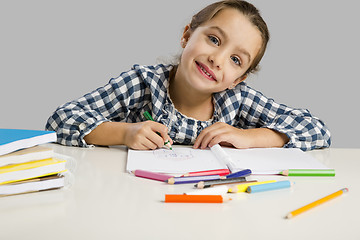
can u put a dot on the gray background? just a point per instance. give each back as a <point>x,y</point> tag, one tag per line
<point>52,52</point>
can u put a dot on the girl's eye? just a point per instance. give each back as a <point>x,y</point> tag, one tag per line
<point>236,60</point>
<point>214,40</point>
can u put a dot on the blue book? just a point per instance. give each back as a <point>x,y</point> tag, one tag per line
<point>15,139</point>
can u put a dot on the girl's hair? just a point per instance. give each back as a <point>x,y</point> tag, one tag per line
<point>249,10</point>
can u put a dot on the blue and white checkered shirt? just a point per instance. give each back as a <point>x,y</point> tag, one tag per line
<point>145,88</point>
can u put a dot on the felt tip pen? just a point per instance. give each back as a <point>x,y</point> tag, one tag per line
<point>220,153</point>
<point>316,203</point>
<point>151,175</point>
<point>269,186</point>
<point>183,198</point>
<point>242,173</point>
<point>309,172</point>
<point>149,117</point>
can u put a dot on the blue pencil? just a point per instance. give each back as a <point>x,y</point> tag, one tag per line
<point>194,179</point>
<point>269,186</point>
<point>242,173</point>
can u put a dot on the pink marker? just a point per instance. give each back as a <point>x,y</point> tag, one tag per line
<point>152,175</point>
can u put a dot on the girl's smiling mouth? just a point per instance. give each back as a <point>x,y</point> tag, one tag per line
<point>205,71</point>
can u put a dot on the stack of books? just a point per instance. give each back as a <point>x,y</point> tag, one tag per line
<point>25,165</point>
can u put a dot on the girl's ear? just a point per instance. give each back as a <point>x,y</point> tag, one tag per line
<point>186,35</point>
<point>237,81</point>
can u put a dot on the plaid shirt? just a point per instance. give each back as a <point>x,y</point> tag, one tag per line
<point>145,88</point>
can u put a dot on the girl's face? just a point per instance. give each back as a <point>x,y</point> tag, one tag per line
<point>217,54</point>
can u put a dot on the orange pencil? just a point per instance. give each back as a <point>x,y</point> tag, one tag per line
<point>316,203</point>
<point>183,198</point>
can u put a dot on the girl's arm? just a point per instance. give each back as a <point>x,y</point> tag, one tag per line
<point>141,136</point>
<point>228,135</point>
<point>101,117</point>
<point>261,122</point>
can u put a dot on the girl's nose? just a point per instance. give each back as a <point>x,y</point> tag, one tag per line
<point>216,60</point>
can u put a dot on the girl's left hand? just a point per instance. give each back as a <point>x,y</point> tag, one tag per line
<point>224,134</point>
<point>227,135</point>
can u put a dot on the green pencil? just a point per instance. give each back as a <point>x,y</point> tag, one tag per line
<point>149,117</point>
<point>309,172</point>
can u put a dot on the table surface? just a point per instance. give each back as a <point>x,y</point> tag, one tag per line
<point>105,202</point>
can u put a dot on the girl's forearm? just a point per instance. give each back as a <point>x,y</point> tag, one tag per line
<point>107,133</point>
<point>265,137</point>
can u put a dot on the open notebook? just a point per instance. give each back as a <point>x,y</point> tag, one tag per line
<point>185,159</point>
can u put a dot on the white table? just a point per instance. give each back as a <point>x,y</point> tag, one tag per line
<point>105,202</point>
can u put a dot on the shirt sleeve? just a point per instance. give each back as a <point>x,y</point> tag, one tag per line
<point>304,130</point>
<point>112,102</point>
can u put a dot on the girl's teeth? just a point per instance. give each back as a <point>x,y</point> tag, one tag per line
<point>205,71</point>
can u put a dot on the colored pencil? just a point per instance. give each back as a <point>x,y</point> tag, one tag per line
<point>269,186</point>
<point>309,172</point>
<point>183,198</point>
<point>148,116</point>
<point>316,203</point>
<point>152,175</point>
<point>242,173</point>
<point>217,190</point>
<point>221,172</point>
<point>195,179</point>
<point>243,187</point>
<point>206,184</point>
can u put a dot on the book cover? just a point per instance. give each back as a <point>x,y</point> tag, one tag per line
<point>16,139</point>
<point>18,172</point>
<point>26,155</point>
<point>33,185</point>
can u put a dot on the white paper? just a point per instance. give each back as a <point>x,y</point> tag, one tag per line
<point>185,159</point>
<point>273,160</point>
<point>178,160</point>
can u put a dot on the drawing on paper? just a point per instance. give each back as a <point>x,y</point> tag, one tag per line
<point>175,154</point>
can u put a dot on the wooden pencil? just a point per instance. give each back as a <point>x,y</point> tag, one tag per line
<point>206,184</point>
<point>316,203</point>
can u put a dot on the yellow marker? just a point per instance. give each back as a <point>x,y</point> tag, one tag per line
<point>242,187</point>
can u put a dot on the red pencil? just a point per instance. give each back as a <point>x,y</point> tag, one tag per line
<point>221,172</point>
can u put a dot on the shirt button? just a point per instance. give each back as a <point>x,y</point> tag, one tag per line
<point>82,126</point>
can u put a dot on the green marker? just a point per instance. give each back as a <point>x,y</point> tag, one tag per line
<point>149,117</point>
<point>309,172</point>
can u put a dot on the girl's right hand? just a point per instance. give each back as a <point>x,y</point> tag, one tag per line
<point>146,135</point>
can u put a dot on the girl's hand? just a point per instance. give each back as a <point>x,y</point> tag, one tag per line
<point>146,135</point>
<point>227,135</point>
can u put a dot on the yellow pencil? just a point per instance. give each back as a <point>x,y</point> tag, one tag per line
<point>242,187</point>
<point>316,203</point>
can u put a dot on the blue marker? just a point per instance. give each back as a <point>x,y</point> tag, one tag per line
<point>269,186</point>
<point>242,173</point>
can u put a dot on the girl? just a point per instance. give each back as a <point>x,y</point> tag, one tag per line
<point>203,100</point>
